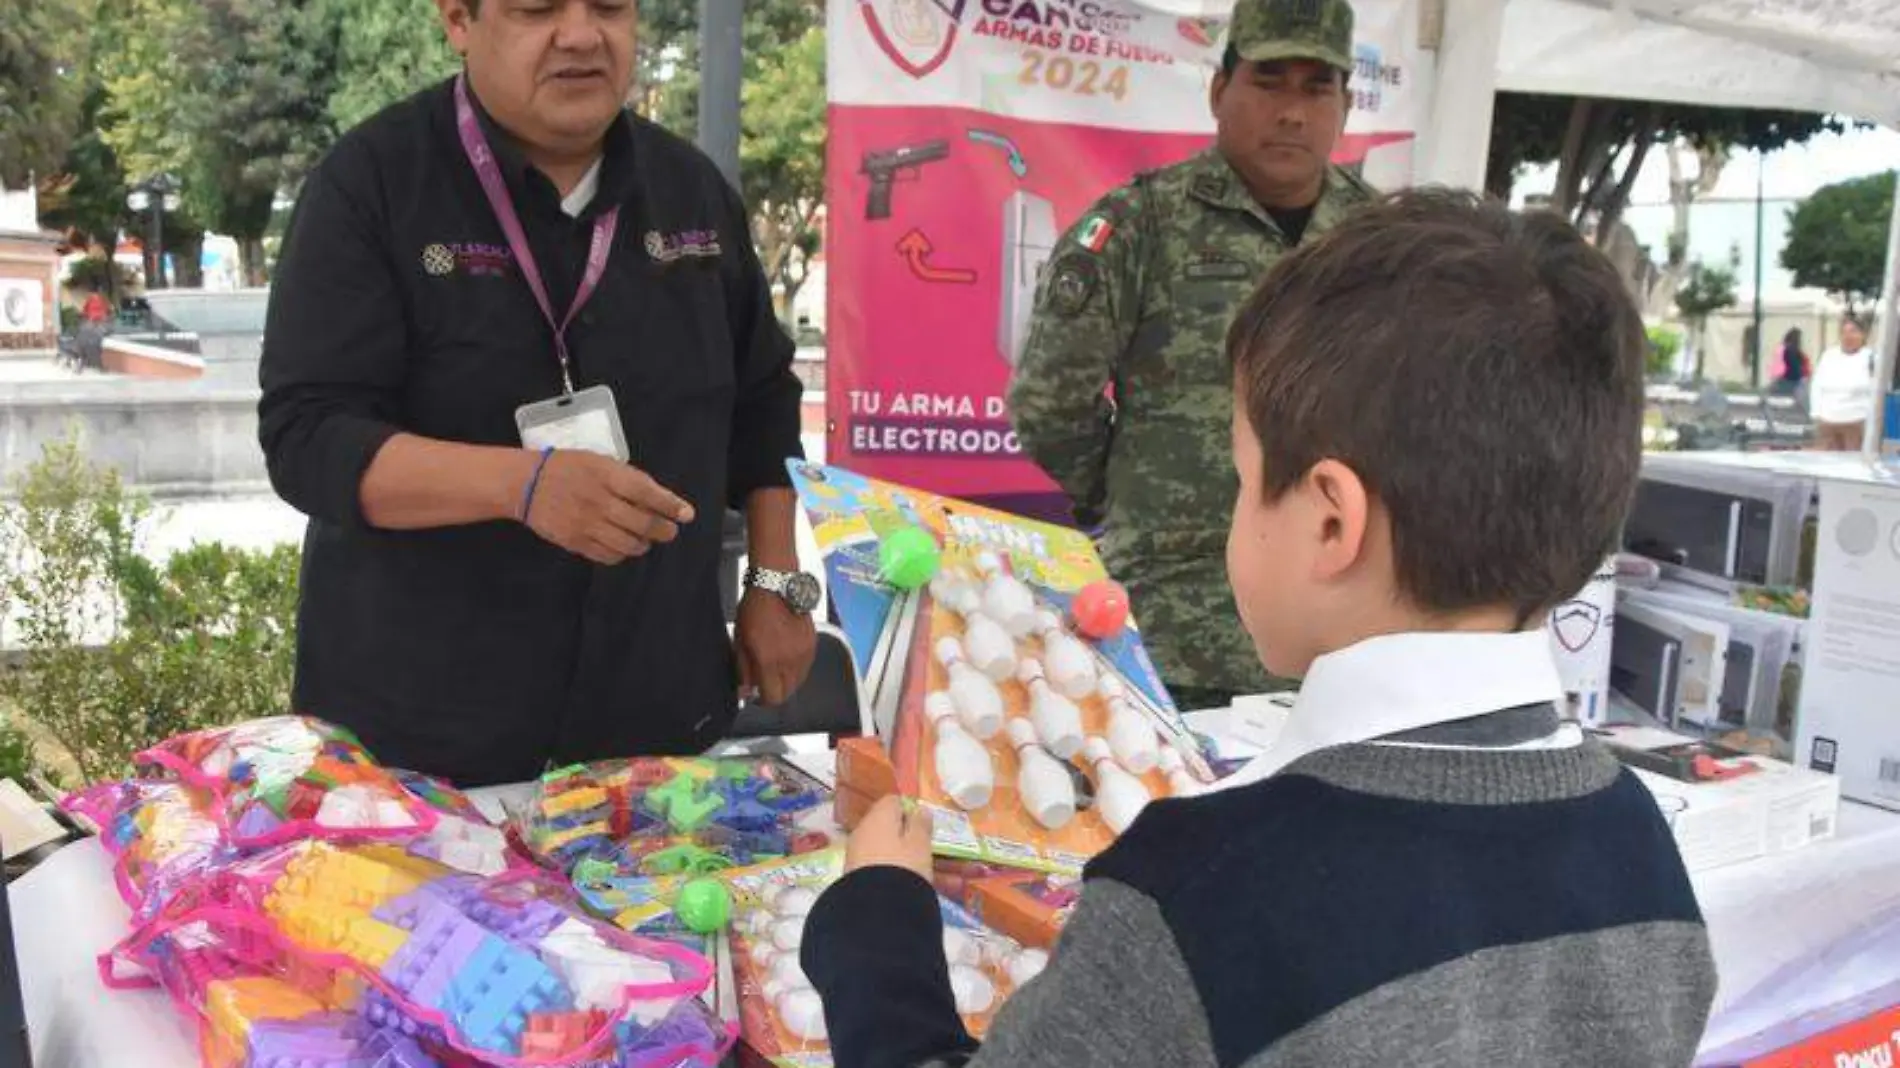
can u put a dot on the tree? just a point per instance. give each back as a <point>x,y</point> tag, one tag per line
<point>231,96</point>
<point>42,47</point>
<point>385,50</point>
<point>782,139</point>
<point>1837,238</point>
<point>1684,190</point>
<point>85,198</point>
<point>1705,291</point>
<point>1599,146</point>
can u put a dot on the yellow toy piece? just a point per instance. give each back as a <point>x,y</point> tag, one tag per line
<point>233,1005</point>
<point>554,806</point>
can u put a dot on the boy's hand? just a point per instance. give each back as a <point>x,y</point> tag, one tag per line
<point>895,833</point>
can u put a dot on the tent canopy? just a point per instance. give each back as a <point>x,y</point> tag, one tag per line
<point>1834,56</point>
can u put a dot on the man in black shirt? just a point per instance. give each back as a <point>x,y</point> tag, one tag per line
<point>520,357</point>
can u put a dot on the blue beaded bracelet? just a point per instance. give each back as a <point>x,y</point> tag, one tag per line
<point>527,495</point>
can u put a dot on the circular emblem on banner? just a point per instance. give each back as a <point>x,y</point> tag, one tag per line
<point>16,308</point>
<point>438,260</point>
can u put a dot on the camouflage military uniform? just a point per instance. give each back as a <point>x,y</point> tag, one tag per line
<point>1139,295</point>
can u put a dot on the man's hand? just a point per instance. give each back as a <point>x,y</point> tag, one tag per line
<point>597,507</point>
<point>895,833</point>
<point>774,646</point>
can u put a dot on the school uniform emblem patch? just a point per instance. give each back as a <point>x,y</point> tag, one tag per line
<point>438,261</point>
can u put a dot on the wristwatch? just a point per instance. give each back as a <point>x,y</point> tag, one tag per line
<point>798,590</point>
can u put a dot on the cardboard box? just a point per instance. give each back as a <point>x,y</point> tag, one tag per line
<point>1774,809</point>
<point>1868,1042</point>
<point>865,777</point>
<point>1030,907</point>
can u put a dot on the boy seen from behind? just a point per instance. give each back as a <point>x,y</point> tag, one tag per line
<point>1437,419</point>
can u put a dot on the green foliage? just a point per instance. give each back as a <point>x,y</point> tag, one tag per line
<point>1704,292</point>
<point>96,274</point>
<point>1837,238</point>
<point>42,44</point>
<point>121,652</point>
<point>1664,343</point>
<point>85,198</point>
<point>385,50</point>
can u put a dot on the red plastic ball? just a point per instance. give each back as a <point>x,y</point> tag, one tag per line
<point>1100,609</point>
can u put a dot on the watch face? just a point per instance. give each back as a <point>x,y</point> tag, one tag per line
<point>801,592</point>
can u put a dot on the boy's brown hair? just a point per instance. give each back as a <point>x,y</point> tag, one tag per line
<point>1480,369</point>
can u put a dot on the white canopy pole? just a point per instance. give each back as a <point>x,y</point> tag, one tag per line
<point>1457,135</point>
<point>1886,333</point>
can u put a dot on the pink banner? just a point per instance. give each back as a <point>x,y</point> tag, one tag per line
<point>965,137</point>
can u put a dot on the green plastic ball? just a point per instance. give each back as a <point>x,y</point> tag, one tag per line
<point>908,557</point>
<point>704,906</point>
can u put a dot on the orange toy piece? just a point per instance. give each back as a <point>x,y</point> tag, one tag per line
<point>553,1034</point>
<point>232,1005</point>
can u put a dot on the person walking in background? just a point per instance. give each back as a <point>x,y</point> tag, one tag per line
<point>1843,390</point>
<point>1793,368</point>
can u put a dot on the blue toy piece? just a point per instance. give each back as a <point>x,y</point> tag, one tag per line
<point>495,992</point>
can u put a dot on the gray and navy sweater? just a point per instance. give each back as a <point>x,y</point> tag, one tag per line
<point>1371,904</point>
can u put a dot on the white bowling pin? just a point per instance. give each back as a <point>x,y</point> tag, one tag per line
<point>1130,736</point>
<point>1058,722</point>
<point>963,765</point>
<point>974,991</point>
<point>802,1012</point>
<point>988,646</point>
<point>1070,665</point>
<point>1047,791</point>
<point>1024,966</point>
<point>787,972</point>
<point>1181,782</point>
<point>789,933</point>
<point>960,948</point>
<point>1119,796</point>
<point>794,900</point>
<point>1006,598</point>
<point>976,697</point>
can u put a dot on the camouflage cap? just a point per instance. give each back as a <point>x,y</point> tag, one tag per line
<point>1266,30</point>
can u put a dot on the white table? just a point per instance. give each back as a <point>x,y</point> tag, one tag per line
<point>1761,916</point>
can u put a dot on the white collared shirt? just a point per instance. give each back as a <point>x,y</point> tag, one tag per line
<point>576,202</point>
<point>1403,682</point>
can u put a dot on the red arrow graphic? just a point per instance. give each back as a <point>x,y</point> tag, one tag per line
<point>915,248</point>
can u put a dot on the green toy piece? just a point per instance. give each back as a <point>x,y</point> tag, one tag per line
<point>704,906</point>
<point>908,557</point>
<point>593,871</point>
<point>684,859</point>
<point>679,803</point>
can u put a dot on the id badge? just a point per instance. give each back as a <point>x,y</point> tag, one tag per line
<point>588,419</point>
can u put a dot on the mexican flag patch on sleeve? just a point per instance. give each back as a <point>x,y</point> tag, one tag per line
<point>1094,233</point>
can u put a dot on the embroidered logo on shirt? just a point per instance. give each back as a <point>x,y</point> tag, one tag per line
<point>665,248</point>
<point>1095,233</point>
<point>443,259</point>
<point>438,261</point>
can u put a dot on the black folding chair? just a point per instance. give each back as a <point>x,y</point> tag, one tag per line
<point>831,703</point>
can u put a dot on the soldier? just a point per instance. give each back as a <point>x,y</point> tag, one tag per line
<point>1138,298</point>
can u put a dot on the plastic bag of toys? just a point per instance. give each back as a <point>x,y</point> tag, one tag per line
<point>161,836</point>
<point>781,1015</point>
<point>285,778</point>
<point>661,817</point>
<point>319,946</point>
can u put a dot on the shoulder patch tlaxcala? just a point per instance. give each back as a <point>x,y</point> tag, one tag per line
<point>1072,282</point>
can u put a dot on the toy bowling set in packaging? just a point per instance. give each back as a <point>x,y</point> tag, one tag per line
<point>1011,687</point>
<point>783,1020</point>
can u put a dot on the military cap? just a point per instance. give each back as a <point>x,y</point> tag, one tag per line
<point>1263,31</point>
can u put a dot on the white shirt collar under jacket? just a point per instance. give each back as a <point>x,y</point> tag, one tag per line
<point>1403,682</point>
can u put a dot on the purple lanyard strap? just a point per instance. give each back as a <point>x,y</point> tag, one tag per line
<point>482,158</point>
